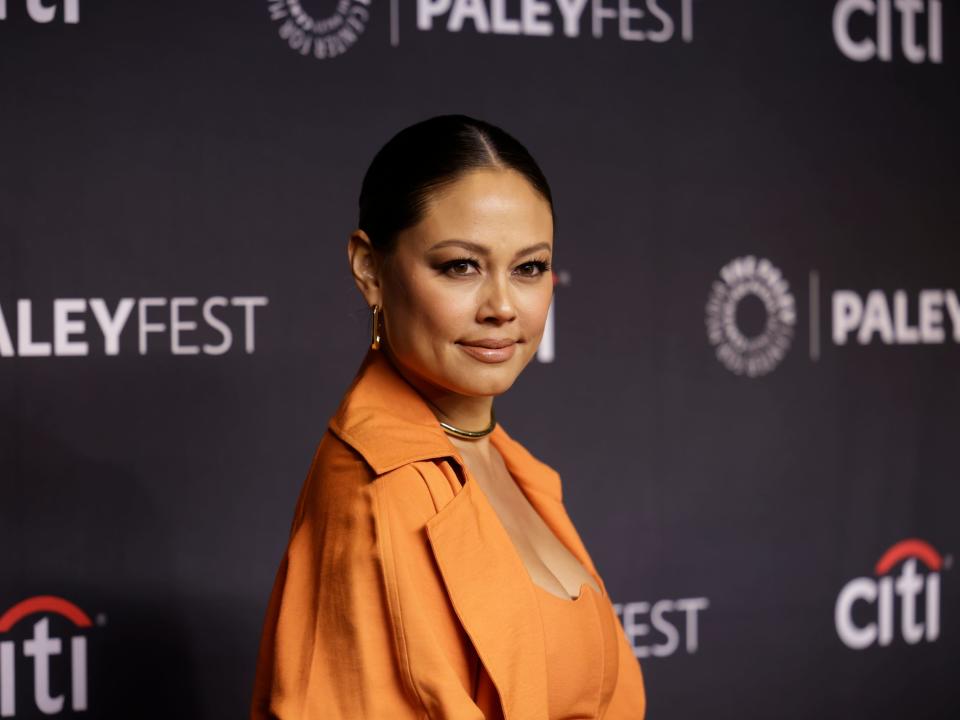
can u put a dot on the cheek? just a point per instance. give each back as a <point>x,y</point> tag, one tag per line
<point>435,310</point>
<point>535,306</point>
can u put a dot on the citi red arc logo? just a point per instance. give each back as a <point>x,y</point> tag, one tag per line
<point>880,595</point>
<point>41,647</point>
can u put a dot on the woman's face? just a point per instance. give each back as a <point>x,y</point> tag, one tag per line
<point>475,271</point>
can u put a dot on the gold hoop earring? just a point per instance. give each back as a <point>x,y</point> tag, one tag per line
<point>375,332</point>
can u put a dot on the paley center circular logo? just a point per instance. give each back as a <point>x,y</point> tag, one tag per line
<point>743,281</point>
<point>320,34</point>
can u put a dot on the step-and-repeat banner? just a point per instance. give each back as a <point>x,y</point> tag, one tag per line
<point>749,383</point>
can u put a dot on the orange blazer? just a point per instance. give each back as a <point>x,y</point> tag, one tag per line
<point>400,594</point>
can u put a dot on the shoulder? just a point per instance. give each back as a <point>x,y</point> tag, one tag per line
<point>340,482</point>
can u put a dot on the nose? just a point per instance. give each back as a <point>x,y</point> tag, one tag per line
<point>497,304</point>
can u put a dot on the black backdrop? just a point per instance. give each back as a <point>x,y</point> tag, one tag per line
<point>753,389</point>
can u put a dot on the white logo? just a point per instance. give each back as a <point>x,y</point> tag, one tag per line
<point>633,616</point>
<point>642,20</point>
<point>890,320</point>
<point>71,318</point>
<point>878,595</point>
<point>324,37</point>
<point>41,649</point>
<point>759,354</point>
<point>44,12</point>
<point>546,350</point>
<point>877,41</point>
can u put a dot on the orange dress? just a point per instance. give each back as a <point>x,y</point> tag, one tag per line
<point>400,595</point>
<point>581,651</point>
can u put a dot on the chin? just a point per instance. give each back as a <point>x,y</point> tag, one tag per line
<point>478,379</point>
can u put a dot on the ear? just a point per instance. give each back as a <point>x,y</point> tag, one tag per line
<point>365,267</point>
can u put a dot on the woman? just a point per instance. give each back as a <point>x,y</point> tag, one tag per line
<point>432,570</point>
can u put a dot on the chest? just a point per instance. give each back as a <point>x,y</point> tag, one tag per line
<point>549,563</point>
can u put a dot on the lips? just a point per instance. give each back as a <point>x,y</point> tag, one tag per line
<point>489,350</point>
<point>489,342</point>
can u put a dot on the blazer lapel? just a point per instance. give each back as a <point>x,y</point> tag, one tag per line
<point>490,591</point>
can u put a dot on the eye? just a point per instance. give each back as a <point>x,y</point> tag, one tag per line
<point>534,268</point>
<point>459,266</point>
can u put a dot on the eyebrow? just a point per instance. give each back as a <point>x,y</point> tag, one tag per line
<point>483,250</point>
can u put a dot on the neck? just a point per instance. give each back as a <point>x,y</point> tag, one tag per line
<point>462,411</point>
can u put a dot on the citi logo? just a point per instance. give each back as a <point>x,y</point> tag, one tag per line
<point>874,600</point>
<point>874,36</point>
<point>41,648</point>
<point>44,12</point>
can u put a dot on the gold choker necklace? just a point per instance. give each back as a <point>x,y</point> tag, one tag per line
<point>470,434</point>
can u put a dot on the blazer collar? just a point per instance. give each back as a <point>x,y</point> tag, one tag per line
<point>387,421</point>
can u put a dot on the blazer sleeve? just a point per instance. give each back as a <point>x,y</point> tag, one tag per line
<point>327,648</point>
<point>333,646</point>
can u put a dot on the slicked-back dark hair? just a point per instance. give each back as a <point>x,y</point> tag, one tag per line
<point>425,157</point>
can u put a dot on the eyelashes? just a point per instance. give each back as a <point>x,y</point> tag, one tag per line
<point>538,266</point>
